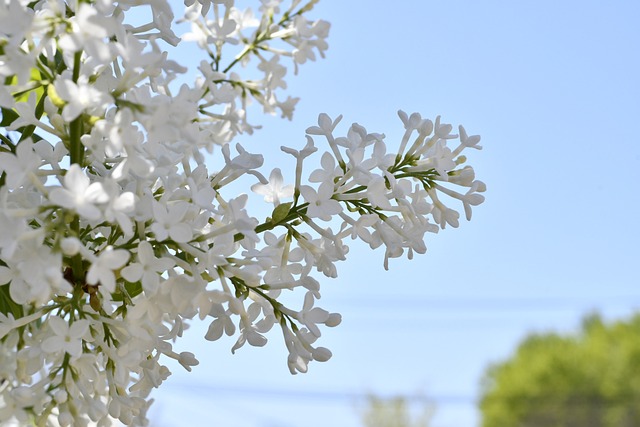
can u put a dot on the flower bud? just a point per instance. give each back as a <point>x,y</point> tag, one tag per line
<point>334,319</point>
<point>461,159</point>
<point>70,246</point>
<point>60,396</point>
<point>321,354</point>
<point>65,419</point>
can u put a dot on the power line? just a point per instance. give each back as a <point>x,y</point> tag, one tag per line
<point>576,398</point>
<point>274,393</point>
<point>493,303</point>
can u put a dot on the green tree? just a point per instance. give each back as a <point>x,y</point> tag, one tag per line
<point>591,379</point>
<point>395,412</point>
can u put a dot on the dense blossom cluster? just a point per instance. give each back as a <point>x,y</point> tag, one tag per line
<point>114,233</point>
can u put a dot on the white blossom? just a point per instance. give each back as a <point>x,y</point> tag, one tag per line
<point>18,167</point>
<point>274,190</point>
<point>147,269</point>
<point>116,232</point>
<point>321,204</point>
<point>67,337</point>
<point>101,270</point>
<point>79,194</point>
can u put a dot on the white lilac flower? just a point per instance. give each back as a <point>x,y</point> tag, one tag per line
<point>18,167</point>
<point>147,269</point>
<point>321,204</point>
<point>251,335</point>
<point>12,229</point>
<point>26,113</point>
<point>90,29</point>
<point>274,190</point>
<point>377,192</point>
<point>15,20</point>
<point>223,323</point>
<point>7,321</point>
<point>168,222</point>
<point>101,270</point>
<point>79,194</point>
<point>81,97</point>
<point>67,336</point>
<point>469,141</point>
<point>16,62</point>
<point>310,316</point>
<point>328,172</point>
<point>187,360</point>
<point>120,207</point>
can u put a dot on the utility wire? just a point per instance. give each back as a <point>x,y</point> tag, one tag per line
<point>576,398</point>
<point>205,390</point>
<point>492,303</point>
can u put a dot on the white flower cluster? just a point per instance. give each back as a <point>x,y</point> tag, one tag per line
<point>113,232</point>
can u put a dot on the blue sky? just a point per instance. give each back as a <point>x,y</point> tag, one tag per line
<point>553,89</point>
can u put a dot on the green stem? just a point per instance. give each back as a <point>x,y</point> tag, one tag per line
<point>77,149</point>
<point>77,157</point>
<point>77,62</point>
<point>8,142</point>
<point>265,36</point>
<point>78,271</point>
<point>294,213</point>
<point>75,127</point>
<point>241,55</point>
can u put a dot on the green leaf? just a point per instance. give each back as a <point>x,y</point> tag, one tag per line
<point>133,289</point>
<point>280,212</point>
<point>35,77</point>
<point>8,117</point>
<point>27,131</point>
<point>94,301</point>
<point>7,305</point>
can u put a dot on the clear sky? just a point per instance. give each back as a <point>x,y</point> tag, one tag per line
<point>553,87</point>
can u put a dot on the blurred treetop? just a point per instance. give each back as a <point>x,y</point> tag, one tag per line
<point>588,380</point>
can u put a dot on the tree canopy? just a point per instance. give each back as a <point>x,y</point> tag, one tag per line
<point>396,412</point>
<point>591,379</point>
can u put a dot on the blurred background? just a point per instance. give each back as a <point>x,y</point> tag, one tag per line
<point>553,89</point>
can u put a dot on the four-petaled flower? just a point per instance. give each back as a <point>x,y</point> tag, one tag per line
<point>147,269</point>
<point>274,190</point>
<point>18,167</point>
<point>169,222</point>
<point>79,194</point>
<point>67,336</point>
<point>321,205</point>
<point>101,270</point>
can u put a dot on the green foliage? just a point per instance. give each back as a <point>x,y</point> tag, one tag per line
<point>7,305</point>
<point>588,380</point>
<point>394,412</point>
<point>280,212</point>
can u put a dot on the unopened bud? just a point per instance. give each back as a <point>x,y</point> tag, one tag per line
<point>70,246</point>
<point>321,354</point>
<point>334,320</point>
